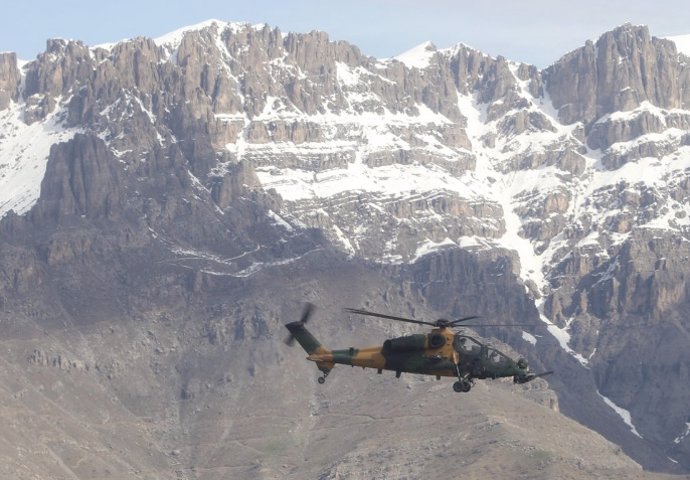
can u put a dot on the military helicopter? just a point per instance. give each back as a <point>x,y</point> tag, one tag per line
<point>441,352</point>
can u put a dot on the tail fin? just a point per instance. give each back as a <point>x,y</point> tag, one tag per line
<point>308,342</point>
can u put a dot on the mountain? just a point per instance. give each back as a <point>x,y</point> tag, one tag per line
<point>166,205</point>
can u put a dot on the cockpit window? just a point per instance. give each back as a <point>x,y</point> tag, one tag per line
<point>466,345</point>
<point>496,357</point>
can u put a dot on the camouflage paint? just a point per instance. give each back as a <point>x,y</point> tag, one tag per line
<point>429,354</point>
<point>411,354</point>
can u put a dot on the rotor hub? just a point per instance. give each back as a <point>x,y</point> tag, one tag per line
<point>443,323</point>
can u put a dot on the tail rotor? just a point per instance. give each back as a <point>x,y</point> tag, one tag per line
<point>306,315</point>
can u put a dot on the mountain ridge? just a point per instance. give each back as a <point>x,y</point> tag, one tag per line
<point>175,149</point>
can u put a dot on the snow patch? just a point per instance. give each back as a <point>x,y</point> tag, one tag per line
<point>529,338</point>
<point>346,76</point>
<point>430,246</point>
<point>24,151</point>
<point>684,435</point>
<point>419,56</point>
<point>259,266</point>
<point>279,221</point>
<point>563,337</point>
<point>344,240</point>
<point>623,413</point>
<point>392,181</point>
<point>174,38</point>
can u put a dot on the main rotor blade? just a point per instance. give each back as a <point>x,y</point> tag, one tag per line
<point>502,325</point>
<point>464,319</point>
<point>389,317</point>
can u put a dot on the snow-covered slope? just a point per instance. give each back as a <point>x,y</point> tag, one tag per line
<point>419,56</point>
<point>24,153</point>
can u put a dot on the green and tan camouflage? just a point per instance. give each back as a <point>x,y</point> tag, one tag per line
<point>441,352</point>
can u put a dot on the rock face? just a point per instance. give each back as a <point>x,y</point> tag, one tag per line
<point>181,196</point>
<point>81,179</point>
<point>9,79</point>
<point>621,70</point>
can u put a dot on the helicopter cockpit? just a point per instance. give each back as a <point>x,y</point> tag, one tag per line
<point>467,345</point>
<point>497,358</point>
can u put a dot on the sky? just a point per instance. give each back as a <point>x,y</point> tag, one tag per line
<point>532,31</point>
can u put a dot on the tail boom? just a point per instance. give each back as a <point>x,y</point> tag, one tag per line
<point>304,337</point>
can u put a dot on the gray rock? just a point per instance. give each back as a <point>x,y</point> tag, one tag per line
<point>10,79</point>
<point>624,68</point>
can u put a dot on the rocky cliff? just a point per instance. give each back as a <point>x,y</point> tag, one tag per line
<point>183,195</point>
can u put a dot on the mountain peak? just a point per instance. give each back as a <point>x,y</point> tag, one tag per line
<point>419,56</point>
<point>626,33</point>
<point>174,37</point>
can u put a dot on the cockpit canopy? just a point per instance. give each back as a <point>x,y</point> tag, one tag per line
<point>497,358</point>
<point>470,347</point>
<point>466,345</point>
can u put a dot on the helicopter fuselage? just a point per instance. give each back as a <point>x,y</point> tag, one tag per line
<point>441,353</point>
<point>437,353</point>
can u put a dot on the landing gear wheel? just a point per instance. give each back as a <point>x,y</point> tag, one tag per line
<point>325,372</point>
<point>462,386</point>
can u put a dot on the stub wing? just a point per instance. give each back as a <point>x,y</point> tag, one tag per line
<point>529,377</point>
